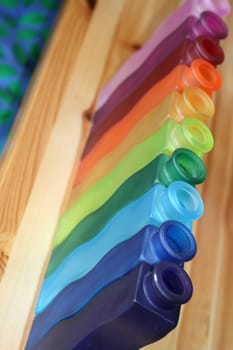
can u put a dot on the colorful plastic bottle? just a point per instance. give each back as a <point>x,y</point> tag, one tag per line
<point>179,201</point>
<point>150,209</point>
<point>192,102</point>
<point>157,66</point>
<point>183,165</point>
<point>191,8</point>
<point>171,242</point>
<point>191,134</point>
<point>201,74</point>
<point>137,309</point>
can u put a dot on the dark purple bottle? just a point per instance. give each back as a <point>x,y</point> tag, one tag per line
<point>138,309</point>
<point>180,46</point>
<point>125,98</point>
<point>209,25</point>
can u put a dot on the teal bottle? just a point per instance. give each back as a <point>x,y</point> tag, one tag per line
<point>182,165</point>
<point>179,201</point>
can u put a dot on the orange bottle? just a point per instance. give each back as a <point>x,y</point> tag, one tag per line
<point>200,74</point>
<point>192,102</point>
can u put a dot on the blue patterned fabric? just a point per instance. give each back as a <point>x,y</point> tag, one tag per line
<point>24,28</point>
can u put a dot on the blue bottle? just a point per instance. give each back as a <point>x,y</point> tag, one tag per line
<point>182,165</point>
<point>179,201</point>
<point>172,242</point>
<point>132,312</point>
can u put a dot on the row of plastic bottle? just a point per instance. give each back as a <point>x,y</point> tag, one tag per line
<point>115,279</point>
<point>24,28</point>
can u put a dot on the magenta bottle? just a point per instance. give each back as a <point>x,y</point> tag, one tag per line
<point>191,8</point>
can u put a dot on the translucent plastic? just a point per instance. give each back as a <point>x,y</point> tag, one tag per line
<point>114,131</point>
<point>169,283</point>
<point>129,133</point>
<point>180,201</point>
<point>205,48</point>
<point>209,24</point>
<point>171,242</point>
<point>191,8</point>
<point>182,165</point>
<point>203,75</point>
<point>191,134</point>
<point>119,124</point>
<point>157,67</point>
<point>151,303</point>
<point>193,102</point>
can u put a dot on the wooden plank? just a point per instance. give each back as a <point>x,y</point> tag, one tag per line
<point>35,120</point>
<point>206,321</point>
<point>26,266</point>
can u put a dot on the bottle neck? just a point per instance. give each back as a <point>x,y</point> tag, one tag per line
<point>200,74</point>
<point>192,102</point>
<point>179,201</point>
<point>183,165</point>
<point>203,47</point>
<point>192,134</point>
<point>168,286</point>
<point>173,242</point>
<point>210,24</point>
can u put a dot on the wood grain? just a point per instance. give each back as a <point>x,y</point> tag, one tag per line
<point>36,118</point>
<point>206,321</point>
<point>39,221</point>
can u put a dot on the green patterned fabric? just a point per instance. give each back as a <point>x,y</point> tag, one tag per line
<point>24,27</point>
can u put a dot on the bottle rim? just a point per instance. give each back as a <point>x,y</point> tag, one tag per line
<point>172,283</point>
<point>198,135</point>
<point>177,240</point>
<point>186,200</point>
<point>213,23</point>
<point>210,49</point>
<point>206,74</point>
<point>189,165</point>
<point>199,103</point>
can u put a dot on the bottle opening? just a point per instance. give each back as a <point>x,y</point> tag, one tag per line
<point>198,135</point>
<point>178,241</point>
<point>210,49</point>
<point>214,23</point>
<point>189,165</point>
<point>199,103</point>
<point>206,74</point>
<point>173,282</point>
<point>185,200</point>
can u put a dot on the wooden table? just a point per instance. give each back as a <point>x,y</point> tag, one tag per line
<point>37,168</point>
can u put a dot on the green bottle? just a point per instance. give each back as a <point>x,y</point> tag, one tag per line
<point>190,133</point>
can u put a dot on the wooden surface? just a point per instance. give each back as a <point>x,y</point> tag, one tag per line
<point>206,321</point>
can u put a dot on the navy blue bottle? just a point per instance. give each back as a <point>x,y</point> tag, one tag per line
<point>135,310</point>
<point>171,242</point>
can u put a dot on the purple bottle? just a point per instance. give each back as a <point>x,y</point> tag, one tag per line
<point>144,80</point>
<point>191,8</point>
<point>138,309</point>
<point>180,46</point>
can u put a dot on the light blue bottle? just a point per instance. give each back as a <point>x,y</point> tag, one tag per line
<point>179,201</point>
